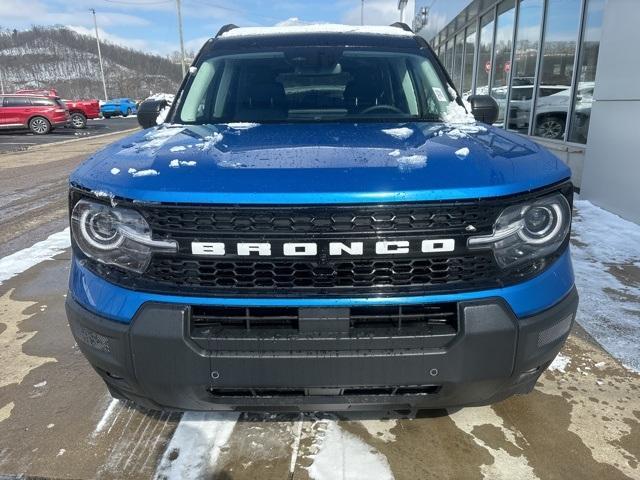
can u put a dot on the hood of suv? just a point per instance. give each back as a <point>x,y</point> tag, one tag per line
<point>318,163</point>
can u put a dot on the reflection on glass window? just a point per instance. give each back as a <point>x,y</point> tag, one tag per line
<point>449,64</point>
<point>502,56</point>
<point>587,64</point>
<point>469,53</point>
<point>556,68</point>
<point>523,70</point>
<point>484,54</point>
<point>457,62</point>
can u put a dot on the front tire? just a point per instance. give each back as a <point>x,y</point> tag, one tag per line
<point>127,112</point>
<point>78,120</point>
<point>39,126</point>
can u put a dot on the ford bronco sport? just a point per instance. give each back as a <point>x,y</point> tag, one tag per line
<point>320,223</point>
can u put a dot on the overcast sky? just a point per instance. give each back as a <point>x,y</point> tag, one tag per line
<point>151,25</point>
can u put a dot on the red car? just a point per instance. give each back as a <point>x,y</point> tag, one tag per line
<point>80,110</point>
<point>38,113</point>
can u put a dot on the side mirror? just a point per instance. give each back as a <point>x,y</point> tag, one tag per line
<point>148,112</point>
<point>484,108</point>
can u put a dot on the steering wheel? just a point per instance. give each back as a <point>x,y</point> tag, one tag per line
<point>375,108</point>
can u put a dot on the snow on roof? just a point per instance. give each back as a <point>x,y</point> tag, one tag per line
<point>317,28</point>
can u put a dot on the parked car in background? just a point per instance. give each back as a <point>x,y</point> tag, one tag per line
<point>82,110</point>
<point>118,106</point>
<point>39,113</point>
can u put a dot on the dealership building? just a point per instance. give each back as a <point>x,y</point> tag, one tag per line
<point>564,72</point>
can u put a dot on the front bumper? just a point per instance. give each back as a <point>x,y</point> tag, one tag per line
<point>155,362</point>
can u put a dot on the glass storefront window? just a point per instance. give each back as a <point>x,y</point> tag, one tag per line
<point>457,60</point>
<point>449,64</point>
<point>469,54</point>
<point>502,56</point>
<point>587,64</point>
<point>556,68</point>
<point>484,54</point>
<point>523,70</point>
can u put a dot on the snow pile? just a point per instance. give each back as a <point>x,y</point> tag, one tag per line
<point>560,363</point>
<point>196,444</point>
<point>115,171</point>
<point>317,28</point>
<point>181,163</point>
<point>168,97</point>
<point>15,264</point>
<point>162,115</point>
<point>409,162</point>
<point>177,148</point>
<point>242,125</point>
<point>457,115</point>
<point>210,141</point>
<point>143,173</point>
<point>462,153</point>
<point>606,253</point>
<point>394,153</point>
<point>343,455</point>
<point>400,133</point>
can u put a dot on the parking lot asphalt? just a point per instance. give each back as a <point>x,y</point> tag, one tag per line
<point>20,140</point>
<point>58,421</point>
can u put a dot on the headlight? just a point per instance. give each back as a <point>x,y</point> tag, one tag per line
<point>525,232</point>
<point>115,236</point>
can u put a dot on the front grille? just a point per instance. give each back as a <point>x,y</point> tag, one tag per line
<point>367,274</point>
<point>189,221</point>
<point>308,276</point>
<point>261,322</point>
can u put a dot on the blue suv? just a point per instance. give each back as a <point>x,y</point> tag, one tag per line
<point>321,223</point>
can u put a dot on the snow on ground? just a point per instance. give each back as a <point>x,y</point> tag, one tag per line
<point>345,456</point>
<point>14,264</point>
<point>195,446</point>
<point>609,308</point>
<point>401,133</point>
<point>560,363</point>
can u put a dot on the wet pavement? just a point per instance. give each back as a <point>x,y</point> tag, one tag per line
<point>58,421</point>
<point>21,140</point>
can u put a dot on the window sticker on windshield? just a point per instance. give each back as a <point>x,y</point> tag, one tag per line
<point>437,91</point>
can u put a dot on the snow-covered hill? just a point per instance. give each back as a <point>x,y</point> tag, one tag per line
<point>67,61</point>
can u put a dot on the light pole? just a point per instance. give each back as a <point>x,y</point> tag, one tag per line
<point>402,4</point>
<point>362,12</point>
<point>104,84</point>
<point>184,67</point>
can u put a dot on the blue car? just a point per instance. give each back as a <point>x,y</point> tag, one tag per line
<point>118,106</point>
<point>320,223</point>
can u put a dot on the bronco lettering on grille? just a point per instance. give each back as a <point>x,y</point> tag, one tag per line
<point>311,249</point>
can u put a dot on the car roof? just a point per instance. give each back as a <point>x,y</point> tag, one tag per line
<point>314,35</point>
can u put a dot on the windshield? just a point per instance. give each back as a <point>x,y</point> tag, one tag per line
<point>314,84</point>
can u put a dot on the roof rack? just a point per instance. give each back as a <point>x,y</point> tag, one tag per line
<point>402,25</point>
<point>225,28</point>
